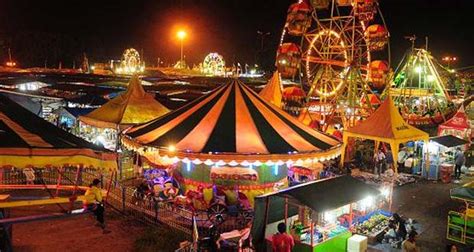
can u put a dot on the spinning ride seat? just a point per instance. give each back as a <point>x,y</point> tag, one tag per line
<point>288,59</point>
<point>377,37</point>
<point>365,9</point>
<point>320,4</point>
<point>378,73</point>
<point>298,18</point>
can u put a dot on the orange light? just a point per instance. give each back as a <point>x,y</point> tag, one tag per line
<point>181,34</point>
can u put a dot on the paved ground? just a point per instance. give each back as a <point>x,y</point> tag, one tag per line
<point>428,203</point>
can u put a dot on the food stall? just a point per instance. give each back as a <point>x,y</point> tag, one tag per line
<point>441,151</point>
<point>461,223</point>
<point>319,215</point>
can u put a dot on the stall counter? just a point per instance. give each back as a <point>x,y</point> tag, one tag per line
<point>337,243</point>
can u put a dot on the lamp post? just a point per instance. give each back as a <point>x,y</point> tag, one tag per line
<point>181,35</point>
<point>449,59</point>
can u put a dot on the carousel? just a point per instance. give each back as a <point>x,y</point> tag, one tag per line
<point>230,146</point>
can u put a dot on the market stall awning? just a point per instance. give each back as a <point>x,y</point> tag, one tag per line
<point>459,121</point>
<point>328,194</point>
<point>129,108</point>
<point>272,91</point>
<point>386,123</point>
<point>465,192</point>
<point>27,140</point>
<point>449,141</point>
<point>232,123</point>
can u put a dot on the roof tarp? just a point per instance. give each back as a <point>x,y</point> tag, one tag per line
<point>386,123</point>
<point>27,140</point>
<point>236,123</point>
<point>449,141</point>
<point>328,194</point>
<point>465,192</point>
<point>129,108</point>
<point>272,91</point>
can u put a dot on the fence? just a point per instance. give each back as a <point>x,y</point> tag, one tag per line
<point>123,199</point>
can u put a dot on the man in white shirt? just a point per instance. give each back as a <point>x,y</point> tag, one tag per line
<point>402,156</point>
<point>379,161</point>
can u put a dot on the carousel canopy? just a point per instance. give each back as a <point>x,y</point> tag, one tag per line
<point>29,141</point>
<point>129,108</point>
<point>272,91</point>
<point>232,124</point>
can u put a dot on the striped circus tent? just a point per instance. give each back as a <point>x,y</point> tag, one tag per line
<point>27,140</point>
<point>231,125</point>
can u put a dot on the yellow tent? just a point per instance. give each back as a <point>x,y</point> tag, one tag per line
<point>29,141</point>
<point>385,125</point>
<point>129,108</point>
<point>272,91</point>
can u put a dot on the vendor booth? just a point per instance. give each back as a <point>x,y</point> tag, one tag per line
<point>384,125</point>
<point>320,215</point>
<point>457,126</point>
<point>442,151</point>
<point>461,223</point>
<point>233,139</point>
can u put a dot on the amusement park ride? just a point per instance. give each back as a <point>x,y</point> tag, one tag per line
<point>130,63</point>
<point>338,50</point>
<point>213,65</point>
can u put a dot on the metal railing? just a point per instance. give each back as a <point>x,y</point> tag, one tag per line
<point>123,199</point>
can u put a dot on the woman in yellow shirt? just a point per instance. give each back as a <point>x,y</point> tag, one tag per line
<point>93,202</point>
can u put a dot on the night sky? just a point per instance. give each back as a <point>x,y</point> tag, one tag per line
<point>62,30</point>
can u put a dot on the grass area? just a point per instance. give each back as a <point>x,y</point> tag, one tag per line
<point>159,238</point>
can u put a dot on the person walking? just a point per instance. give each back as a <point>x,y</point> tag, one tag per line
<point>93,202</point>
<point>459,161</point>
<point>282,242</point>
<point>379,158</point>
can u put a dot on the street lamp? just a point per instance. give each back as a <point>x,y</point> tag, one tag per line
<point>449,59</point>
<point>181,34</point>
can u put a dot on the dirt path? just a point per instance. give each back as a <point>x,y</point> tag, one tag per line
<point>74,233</point>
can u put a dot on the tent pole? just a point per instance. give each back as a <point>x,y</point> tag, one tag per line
<point>395,146</point>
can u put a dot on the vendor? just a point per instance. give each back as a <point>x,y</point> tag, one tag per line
<point>402,156</point>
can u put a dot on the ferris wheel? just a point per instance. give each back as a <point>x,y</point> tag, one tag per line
<point>213,64</point>
<point>338,50</point>
<point>131,62</point>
